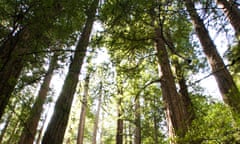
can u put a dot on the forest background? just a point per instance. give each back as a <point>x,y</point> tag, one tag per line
<point>119,71</point>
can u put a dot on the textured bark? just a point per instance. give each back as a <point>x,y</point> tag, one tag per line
<point>175,110</point>
<point>83,111</point>
<point>184,94</point>
<point>227,87</point>
<point>56,129</point>
<point>11,65</point>
<point>95,127</point>
<point>40,132</point>
<point>130,133</point>
<point>17,44</point>
<point>119,135</point>
<point>137,113</point>
<point>232,13</point>
<point>30,126</point>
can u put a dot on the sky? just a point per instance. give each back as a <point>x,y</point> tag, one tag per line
<point>209,84</point>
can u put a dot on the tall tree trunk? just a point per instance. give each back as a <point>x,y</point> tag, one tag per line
<point>57,126</point>
<point>12,54</point>
<point>119,135</point>
<point>95,127</point>
<point>232,13</point>
<point>11,67</point>
<point>137,113</point>
<point>30,126</point>
<point>102,128</point>
<point>125,133</point>
<point>175,110</point>
<point>130,133</point>
<point>40,132</point>
<point>184,92</point>
<point>155,122</point>
<point>83,111</point>
<point>227,87</point>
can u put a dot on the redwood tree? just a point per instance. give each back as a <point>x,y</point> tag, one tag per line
<point>30,126</point>
<point>232,13</point>
<point>227,87</point>
<point>83,110</point>
<point>56,128</point>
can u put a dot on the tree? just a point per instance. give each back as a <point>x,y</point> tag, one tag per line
<point>227,87</point>
<point>83,110</point>
<point>137,113</point>
<point>175,109</point>
<point>30,126</point>
<point>57,126</point>
<point>119,133</point>
<point>15,46</point>
<point>32,27</point>
<point>232,13</point>
<point>97,115</point>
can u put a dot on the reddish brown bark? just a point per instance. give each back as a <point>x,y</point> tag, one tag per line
<point>227,87</point>
<point>11,65</point>
<point>137,113</point>
<point>232,13</point>
<point>58,123</point>
<point>30,127</point>
<point>175,110</point>
<point>83,111</point>
<point>184,93</point>
<point>119,135</point>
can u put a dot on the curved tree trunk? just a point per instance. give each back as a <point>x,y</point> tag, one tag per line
<point>56,128</point>
<point>232,13</point>
<point>30,127</point>
<point>227,87</point>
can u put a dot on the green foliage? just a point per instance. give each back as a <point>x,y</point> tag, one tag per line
<point>128,39</point>
<point>214,123</point>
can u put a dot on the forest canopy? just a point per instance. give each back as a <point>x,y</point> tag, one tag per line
<point>119,71</point>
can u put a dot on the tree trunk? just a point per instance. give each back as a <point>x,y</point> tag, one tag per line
<point>232,13</point>
<point>12,54</point>
<point>227,87</point>
<point>155,122</point>
<point>102,128</point>
<point>83,111</point>
<point>30,126</point>
<point>11,66</point>
<point>184,93</point>
<point>130,133</point>
<point>95,127</point>
<point>57,126</point>
<point>175,110</point>
<point>137,113</point>
<point>119,136</point>
<point>39,138</point>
